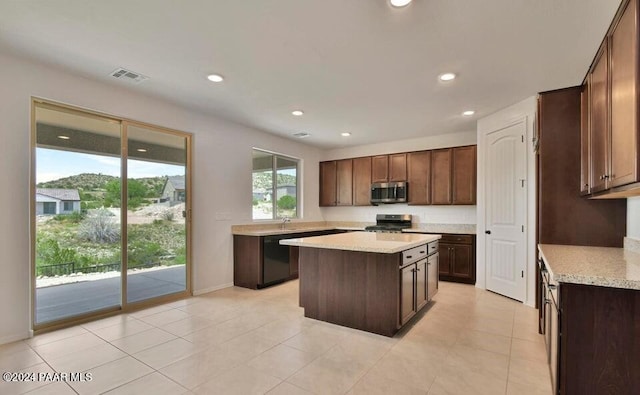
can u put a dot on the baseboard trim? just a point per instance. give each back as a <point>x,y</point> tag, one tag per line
<point>212,289</point>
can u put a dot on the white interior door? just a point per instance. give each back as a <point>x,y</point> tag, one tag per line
<point>505,191</point>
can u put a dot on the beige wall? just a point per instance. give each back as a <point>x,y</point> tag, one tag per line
<point>222,162</point>
<point>633,217</point>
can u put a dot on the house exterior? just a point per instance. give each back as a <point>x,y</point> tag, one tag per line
<point>53,201</point>
<point>283,190</point>
<point>173,190</point>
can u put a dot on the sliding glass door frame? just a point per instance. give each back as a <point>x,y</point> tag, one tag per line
<point>124,155</point>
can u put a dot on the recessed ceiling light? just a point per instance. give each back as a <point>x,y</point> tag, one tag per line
<point>345,134</point>
<point>64,137</point>
<point>141,150</point>
<point>468,113</point>
<point>446,77</point>
<point>215,78</point>
<point>399,3</point>
<point>297,113</point>
<point>301,135</point>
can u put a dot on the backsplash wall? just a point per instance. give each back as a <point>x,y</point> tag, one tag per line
<point>421,214</point>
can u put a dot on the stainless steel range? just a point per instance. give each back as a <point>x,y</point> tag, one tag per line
<point>390,223</point>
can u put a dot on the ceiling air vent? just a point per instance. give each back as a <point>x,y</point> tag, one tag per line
<point>301,135</point>
<point>128,75</point>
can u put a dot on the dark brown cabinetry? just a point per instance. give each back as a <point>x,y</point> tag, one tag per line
<point>563,216</point>
<point>591,334</point>
<point>441,176</point>
<point>585,139</point>
<point>398,167</point>
<point>362,181</point>
<point>389,168</point>
<point>328,184</point>
<point>457,258</point>
<point>344,181</point>
<point>418,177</point>
<point>623,67</point>
<point>336,183</point>
<point>260,261</point>
<point>444,176</point>
<point>464,175</point>
<point>380,168</point>
<point>612,88</point>
<point>599,110</point>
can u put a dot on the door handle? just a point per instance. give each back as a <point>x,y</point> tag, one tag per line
<point>487,232</point>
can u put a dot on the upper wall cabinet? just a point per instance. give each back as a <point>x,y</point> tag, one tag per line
<point>362,181</point>
<point>443,176</point>
<point>328,184</point>
<point>612,104</point>
<point>441,161</point>
<point>389,168</point>
<point>464,175</point>
<point>380,168</point>
<point>336,183</point>
<point>398,167</point>
<point>419,177</point>
<point>624,99</point>
<point>585,137</point>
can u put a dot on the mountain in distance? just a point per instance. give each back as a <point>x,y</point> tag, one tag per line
<point>91,182</point>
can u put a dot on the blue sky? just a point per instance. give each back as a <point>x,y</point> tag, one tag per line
<point>55,164</point>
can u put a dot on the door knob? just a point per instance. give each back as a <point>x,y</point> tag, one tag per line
<point>487,232</point>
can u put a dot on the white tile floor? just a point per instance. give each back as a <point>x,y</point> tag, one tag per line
<point>238,341</point>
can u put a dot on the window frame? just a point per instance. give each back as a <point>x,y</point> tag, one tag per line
<point>274,184</point>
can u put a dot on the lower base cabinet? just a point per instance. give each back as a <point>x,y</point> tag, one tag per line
<point>458,258</point>
<point>592,334</point>
<point>260,261</point>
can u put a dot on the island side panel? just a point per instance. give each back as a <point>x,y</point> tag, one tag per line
<point>350,288</point>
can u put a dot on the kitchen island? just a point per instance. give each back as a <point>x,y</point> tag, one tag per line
<point>365,280</point>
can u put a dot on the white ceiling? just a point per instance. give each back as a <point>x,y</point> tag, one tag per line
<point>352,65</point>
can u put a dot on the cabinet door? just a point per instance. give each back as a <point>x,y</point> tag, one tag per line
<point>362,181</point>
<point>599,120</point>
<point>344,181</point>
<point>461,261</point>
<point>421,284</point>
<point>444,265</point>
<point>624,99</point>
<point>440,176</point>
<point>432,276</point>
<point>419,177</point>
<point>380,168</point>
<point>585,134</point>
<point>398,167</point>
<point>464,175</point>
<point>328,186</point>
<point>407,298</point>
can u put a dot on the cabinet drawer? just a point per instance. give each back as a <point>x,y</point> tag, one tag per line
<point>432,247</point>
<point>414,254</point>
<point>463,239</point>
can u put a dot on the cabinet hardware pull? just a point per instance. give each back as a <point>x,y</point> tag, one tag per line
<point>421,252</point>
<point>487,232</point>
<point>409,256</point>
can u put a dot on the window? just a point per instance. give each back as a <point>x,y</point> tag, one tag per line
<point>49,207</point>
<point>67,206</point>
<point>275,186</point>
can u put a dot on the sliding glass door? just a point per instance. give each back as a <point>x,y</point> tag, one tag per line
<point>156,233</point>
<point>101,244</point>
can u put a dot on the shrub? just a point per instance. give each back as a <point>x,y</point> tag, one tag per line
<point>168,215</point>
<point>143,252</point>
<point>99,228</point>
<point>255,201</point>
<point>49,252</point>
<point>287,202</point>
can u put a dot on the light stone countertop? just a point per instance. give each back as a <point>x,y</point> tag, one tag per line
<point>457,229</point>
<point>271,229</point>
<point>602,266</point>
<point>384,243</point>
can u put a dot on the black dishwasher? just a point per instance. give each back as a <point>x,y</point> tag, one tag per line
<point>276,260</point>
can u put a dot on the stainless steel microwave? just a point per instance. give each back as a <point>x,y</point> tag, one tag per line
<point>388,192</point>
